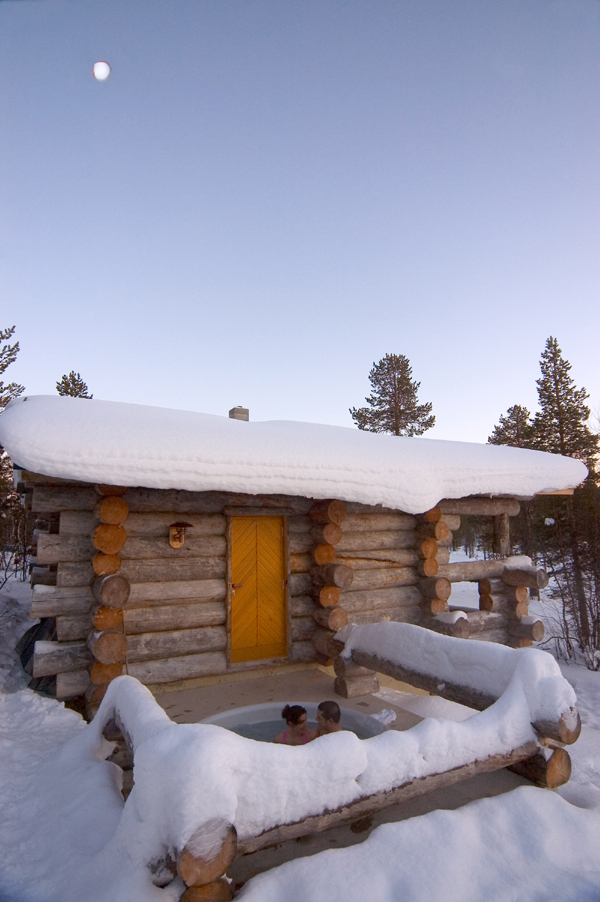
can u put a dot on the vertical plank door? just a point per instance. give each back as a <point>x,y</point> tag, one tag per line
<point>258,615</point>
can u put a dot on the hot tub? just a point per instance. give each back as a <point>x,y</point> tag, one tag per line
<point>264,722</point>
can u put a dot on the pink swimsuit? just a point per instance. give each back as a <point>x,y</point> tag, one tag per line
<point>285,742</point>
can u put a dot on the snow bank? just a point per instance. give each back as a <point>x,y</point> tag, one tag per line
<point>485,666</point>
<point>128,444</point>
<point>528,845</point>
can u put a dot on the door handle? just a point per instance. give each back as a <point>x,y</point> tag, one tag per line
<point>237,585</point>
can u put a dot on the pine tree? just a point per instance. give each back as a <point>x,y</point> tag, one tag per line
<point>73,386</point>
<point>12,513</point>
<point>560,425</point>
<point>514,429</point>
<point>393,403</point>
<point>8,355</point>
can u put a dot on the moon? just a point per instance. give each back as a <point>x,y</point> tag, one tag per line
<point>101,71</point>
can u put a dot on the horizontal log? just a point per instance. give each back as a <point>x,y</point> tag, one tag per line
<point>512,610</point>
<point>357,507</point>
<point>141,548</point>
<point>388,597</point>
<point>378,559</point>
<point>299,524</point>
<point>480,507</point>
<point>302,606</point>
<point>549,772</point>
<point>339,575</point>
<point>108,646</point>
<point>112,510</point>
<point>112,591</point>
<point>301,563</point>
<point>52,549</point>
<point>50,658</point>
<point>180,667</point>
<point>300,584</point>
<point>175,570</point>
<point>399,614</point>
<point>168,643</point>
<point>174,617</point>
<point>72,626</point>
<point>302,628</point>
<point>71,685</point>
<point>326,534</point>
<point>325,642</point>
<point>330,618</point>
<point>460,629</point>
<point>384,578</point>
<point>356,686</point>
<point>109,539</point>
<point>52,601</point>
<point>532,578</point>
<point>328,512</point>
<point>371,804</point>
<point>439,587</point>
<point>368,541</point>
<point>471,571</point>
<point>300,542</point>
<point>148,525</point>
<point>147,594</point>
<point>104,489</point>
<point>302,652</point>
<point>79,574</point>
<point>378,522</point>
<point>520,630</point>
<point>42,576</point>
<point>52,499</point>
<point>513,594</point>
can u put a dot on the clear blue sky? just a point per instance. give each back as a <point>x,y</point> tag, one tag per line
<point>266,197</point>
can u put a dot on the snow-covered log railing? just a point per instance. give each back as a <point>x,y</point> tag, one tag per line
<point>471,673</point>
<point>203,795</point>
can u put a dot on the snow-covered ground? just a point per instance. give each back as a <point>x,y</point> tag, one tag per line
<point>60,813</point>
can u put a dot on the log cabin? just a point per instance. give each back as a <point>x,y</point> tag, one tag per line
<point>173,545</point>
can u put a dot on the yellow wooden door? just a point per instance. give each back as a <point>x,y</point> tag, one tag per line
<point>258,616</point>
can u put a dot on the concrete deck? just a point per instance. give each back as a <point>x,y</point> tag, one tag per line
<point>315,685</point>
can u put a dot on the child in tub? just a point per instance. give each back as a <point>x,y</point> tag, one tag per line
<point>297,732</point>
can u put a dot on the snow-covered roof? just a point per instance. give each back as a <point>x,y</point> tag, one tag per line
<point>155,447</point>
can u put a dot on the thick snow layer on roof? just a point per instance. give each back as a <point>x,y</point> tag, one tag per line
<point>154,447</point>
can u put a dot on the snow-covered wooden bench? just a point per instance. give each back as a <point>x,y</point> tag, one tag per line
<point>203,795</point>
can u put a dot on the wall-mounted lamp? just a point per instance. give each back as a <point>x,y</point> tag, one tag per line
<point>177,533</point>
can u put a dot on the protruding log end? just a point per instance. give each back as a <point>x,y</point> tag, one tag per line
<point>437,587</point>
<point>108,538</point>
<point>207,854</point>
<point>328,512</point>
<point>106,564</point>
<point>550,773</point>
<point>330,618</point>
<point>105,673</point>
<point>108,646</point>
<point>328,596</point>
<point>218,891</point>
<point>565,730</point>
<point>355,686</point>
<point>324,554</point>
<point>532,578</point>
<point>112,591</point>
<point>325,643</point>
<point>112,510</point>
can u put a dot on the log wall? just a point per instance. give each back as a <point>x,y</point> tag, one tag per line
<point>347,562</point>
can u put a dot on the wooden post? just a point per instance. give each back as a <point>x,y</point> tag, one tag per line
<point>501,538</point>
<point>550,773</point>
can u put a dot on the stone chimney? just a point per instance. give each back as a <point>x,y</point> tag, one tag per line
<point>239,413</point>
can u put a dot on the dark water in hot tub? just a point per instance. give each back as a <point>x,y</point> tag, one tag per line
<point>268,730</point>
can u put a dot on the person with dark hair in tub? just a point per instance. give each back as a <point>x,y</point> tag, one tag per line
<point>297,732</point>
<point>328,718</point>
